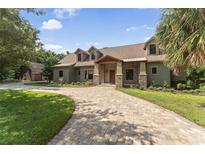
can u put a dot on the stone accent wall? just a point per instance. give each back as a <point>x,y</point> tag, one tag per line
<point>82,73</point>
<point>143,75</point>
<point>119,76</point>
<point>143,81</point>
<point>119,80</point>
<point>96,76</point>
<point>96,79</point>
<point>131,65</point>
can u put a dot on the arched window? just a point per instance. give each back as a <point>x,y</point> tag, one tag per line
<point>93,56</point>
<point>60,74</point>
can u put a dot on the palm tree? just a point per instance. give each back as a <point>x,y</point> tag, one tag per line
<point>181,34</point>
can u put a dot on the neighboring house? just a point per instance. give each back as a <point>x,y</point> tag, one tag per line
<point>136,64</point>
<point>34,73</point>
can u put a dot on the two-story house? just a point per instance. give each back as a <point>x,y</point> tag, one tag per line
<point>136,64</point>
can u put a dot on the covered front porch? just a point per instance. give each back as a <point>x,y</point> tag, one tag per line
<point>110,70</point>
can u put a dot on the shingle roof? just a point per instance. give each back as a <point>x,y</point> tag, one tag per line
<point>155,58</point>
<point>126,53</point>
<point>64,64</point>
<point>84,63</point>
<point>36,67</point>
<point>68,60</point>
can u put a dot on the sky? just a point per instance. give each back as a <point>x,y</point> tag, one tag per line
<point>64,30</point>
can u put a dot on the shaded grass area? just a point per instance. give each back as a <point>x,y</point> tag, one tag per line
<point>189,106</point>
<point>9,81</point>
<point>53,84</point>
<point>28,117</point>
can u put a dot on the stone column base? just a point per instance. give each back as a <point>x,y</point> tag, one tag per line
<point>96,79</point>
<point>143,81</point>
<point>118,80</point>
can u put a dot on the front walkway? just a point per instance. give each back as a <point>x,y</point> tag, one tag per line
<point>106,116</point>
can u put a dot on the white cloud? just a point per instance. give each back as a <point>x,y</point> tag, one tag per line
<point>63,13</point>
<point>131,29</point>
<point>147,27</point>
<point>51,24</point>
<point>53,47</point>
<point>134,28</point>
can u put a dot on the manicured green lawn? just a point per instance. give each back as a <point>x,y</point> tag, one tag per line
<point>52,84</point>
<point>188,106</point>
<point>28,117</point>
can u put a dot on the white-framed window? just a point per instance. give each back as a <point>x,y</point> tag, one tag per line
<point>152,49</point>
<point>129,74</point>
<point>154,70</point>
<point>88,74</point>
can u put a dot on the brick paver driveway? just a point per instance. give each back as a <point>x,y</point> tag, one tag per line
<point>106,116</point>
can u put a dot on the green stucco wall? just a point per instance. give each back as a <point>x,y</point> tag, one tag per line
<point>163,73</point>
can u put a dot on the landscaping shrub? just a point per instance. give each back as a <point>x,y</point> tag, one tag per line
<point>141,88</point>
<point>151,88</point>
<point>168,90</point>
<point>190,84</point>
<point>88,83</point>
<point>159,88</point>
<point>172,90</point>
<point>181,86</point>
<point>153,83</point>
<point>165,84</point>
<point>7,74</point>
<point>185,91</point>
<point>202,86</point>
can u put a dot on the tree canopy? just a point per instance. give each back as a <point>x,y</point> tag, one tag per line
<point>181,34</point>
<point>48,59</point>
<point>18,40</point>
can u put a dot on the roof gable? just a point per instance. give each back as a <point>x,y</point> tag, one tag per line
<point>80,51</point>
<point>92,48</point>
<point>107,58</point>
<point>148,41</point>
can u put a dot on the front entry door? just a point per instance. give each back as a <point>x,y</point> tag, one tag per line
<point>112,76</point>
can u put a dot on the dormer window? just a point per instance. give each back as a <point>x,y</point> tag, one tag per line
<point>92,56</point>
<point>79,57</point>
<point>152,49</point>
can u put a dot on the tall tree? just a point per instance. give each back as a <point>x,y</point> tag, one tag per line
<point>18,39</point>
<point>181,34</point>
<point>48,59</point>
